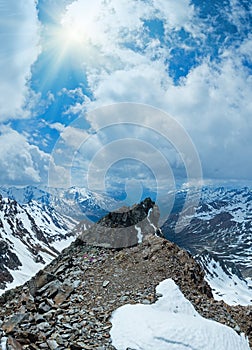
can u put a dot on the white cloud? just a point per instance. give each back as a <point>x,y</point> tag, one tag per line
<point>175,14</point>
<point>213,102</point>
<point>19,50</point>
<point>57,126</point>
<point>21,162</point>
<point>141,83</point>
<point>74,137</point>
<point>238,14</point>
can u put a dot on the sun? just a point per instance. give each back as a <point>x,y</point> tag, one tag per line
<point>71,41</point>
<point>74,32</point>
<point>71,35</point>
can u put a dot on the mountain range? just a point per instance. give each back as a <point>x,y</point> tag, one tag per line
<point>31,235</point>
<point>75,202</point>
<point>221,225</point>
<point>147,295</point>
<point>89,287</point>
<point>36,223</point>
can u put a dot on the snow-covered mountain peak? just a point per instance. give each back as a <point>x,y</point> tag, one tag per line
<point>31,235</point>
<point>75,202</point>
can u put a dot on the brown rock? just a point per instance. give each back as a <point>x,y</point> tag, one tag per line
<point>63,294</point>
<point>9,326</point>
<point>13,344</point>
<point>43,278</point>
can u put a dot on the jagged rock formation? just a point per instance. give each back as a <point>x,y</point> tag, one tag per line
<point>68,304</point>
<point>125,227</point>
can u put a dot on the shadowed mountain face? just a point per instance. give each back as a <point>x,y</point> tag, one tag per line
<point>222,225</point>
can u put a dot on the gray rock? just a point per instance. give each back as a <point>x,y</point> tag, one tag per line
<point>67,326</point>
<point>63,293</point>
<point>39,318</point>
<point>43,308</point>
<point>53,345</point>
<point>76,284</point>
<point>105,284</point>
<point>43,278</point>
<point>50,289</point>
<point>43,326</point>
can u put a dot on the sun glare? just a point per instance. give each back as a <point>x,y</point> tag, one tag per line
<point>74,31</point>
<point>72,35</point>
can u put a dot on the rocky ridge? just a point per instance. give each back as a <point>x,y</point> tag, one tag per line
<point>68,305</point>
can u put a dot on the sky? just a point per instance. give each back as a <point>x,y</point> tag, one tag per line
<point>125,93</point>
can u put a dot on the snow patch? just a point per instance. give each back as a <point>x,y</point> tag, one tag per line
<point>170,323</point>
<point>139,234</point>
<point>151,223</point>
<point>229,288</point>
<point>32,217</point>
<point>4,343</point>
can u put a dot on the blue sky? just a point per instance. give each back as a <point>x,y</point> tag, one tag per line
<point>61,60</point>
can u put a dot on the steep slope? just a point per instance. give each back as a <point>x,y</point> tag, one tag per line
<point>30,237</point>
<point>226,281</point>
<point>222,225</point>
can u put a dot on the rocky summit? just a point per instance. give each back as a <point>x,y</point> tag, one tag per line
<point>68,305</point>
<point>125,227</point>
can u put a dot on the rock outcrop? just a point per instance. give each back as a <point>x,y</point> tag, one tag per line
<point>125,227</point>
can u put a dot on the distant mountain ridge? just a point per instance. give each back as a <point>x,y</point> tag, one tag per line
<point>222,225</point>
<point>75,202</point>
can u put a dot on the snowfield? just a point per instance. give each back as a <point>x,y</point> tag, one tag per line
<point>171,323</point>
<point>229,288</point>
